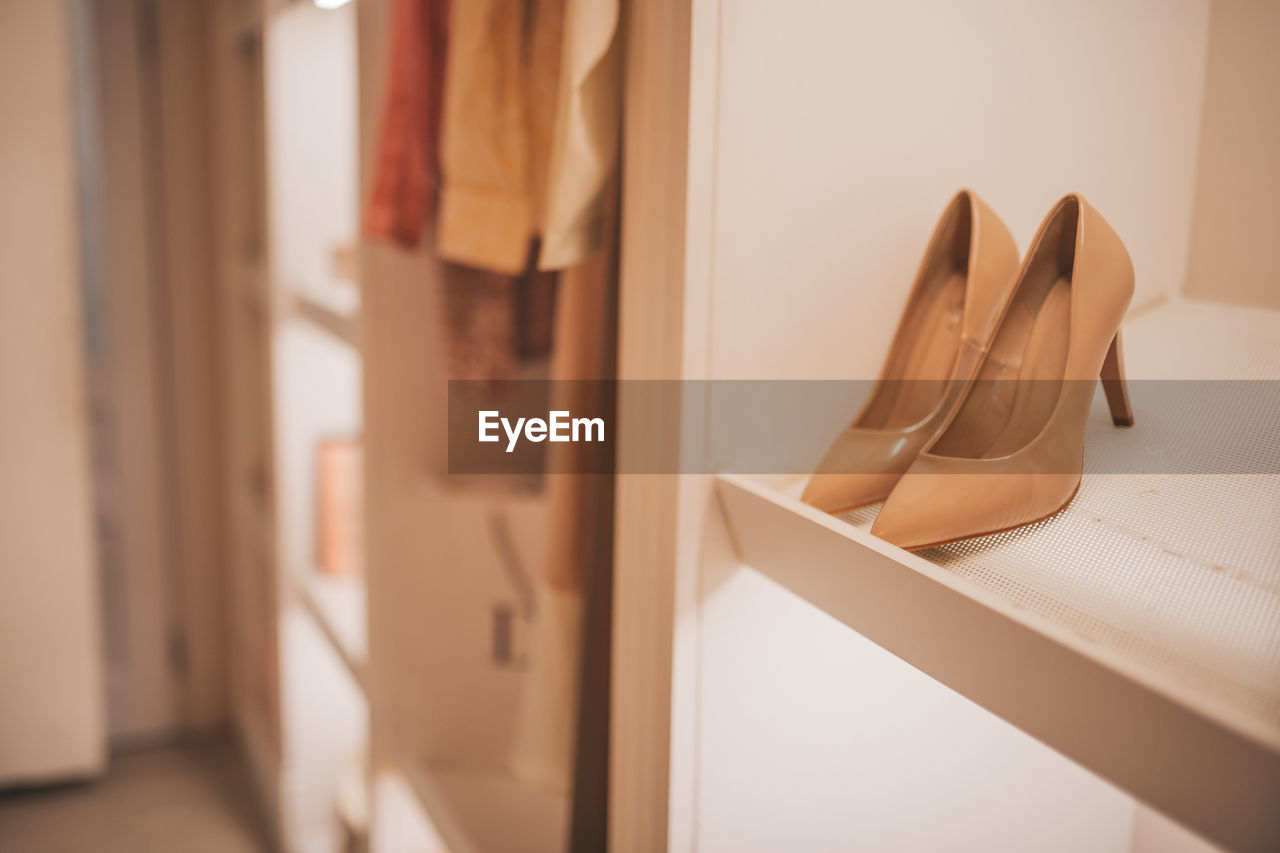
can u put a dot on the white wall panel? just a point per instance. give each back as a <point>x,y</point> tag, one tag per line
<point>844,128</point>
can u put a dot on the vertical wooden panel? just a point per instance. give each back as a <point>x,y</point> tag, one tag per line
<point>185,261</point>
<point>663,313</point>
<point>138,567</point>
<point>237,166</point>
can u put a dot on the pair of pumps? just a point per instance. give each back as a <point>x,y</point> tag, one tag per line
<point>976,425</point>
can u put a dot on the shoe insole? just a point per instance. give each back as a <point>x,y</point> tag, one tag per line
<point>1039,382</point>
<point>924,352</point>
<point>1020,380</point>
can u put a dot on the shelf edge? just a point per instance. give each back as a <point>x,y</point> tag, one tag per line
<point>342,327</point>
<point>1197,769</point>
<point>354,666</point>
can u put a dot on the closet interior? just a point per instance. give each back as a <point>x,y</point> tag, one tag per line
<point>1153,594</point>
<point>686,656</point>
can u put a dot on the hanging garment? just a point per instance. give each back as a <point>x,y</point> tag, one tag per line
<point>499,108</point>
<point>584,147</point>
<point>532,109</point>
<point>493,322</point>
<point>479,323</point>
<point>406,165</point>
<point>518,132</point>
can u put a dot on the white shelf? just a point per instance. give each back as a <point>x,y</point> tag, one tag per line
<point>333,316</point>
<point>325,727</point>
<point>338,606</point>
<point>1137,632</point>
<point>316,397</point>
<point>489,811</point>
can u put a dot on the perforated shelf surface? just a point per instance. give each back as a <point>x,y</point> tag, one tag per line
<point>1179,572</point>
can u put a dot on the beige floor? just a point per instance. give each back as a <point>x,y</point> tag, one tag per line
<point>182,799</point>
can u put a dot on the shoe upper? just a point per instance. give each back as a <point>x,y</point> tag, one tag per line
<point>960,291</point>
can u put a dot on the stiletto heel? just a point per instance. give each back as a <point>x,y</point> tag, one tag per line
<point>1114,385</point>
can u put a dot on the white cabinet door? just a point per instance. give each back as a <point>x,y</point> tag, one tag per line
<point>51,699</point>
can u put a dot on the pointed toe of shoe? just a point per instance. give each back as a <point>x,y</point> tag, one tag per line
<point>898,528</point>
<point>945,500</point>
<point>912,517</point>
<point>931,509</point>
<point>861,468</point>
<point>837,493</point>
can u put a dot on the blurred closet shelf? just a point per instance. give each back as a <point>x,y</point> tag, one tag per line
<point>1137,632</point>
<point>489,811</point>
<point>334,308</point>
<point>338,606</point>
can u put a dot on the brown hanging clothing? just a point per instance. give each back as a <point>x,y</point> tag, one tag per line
<point>493,322</point>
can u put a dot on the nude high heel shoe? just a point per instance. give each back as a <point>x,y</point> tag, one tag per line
<point>961,288</point>
<point>1012,454</point>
